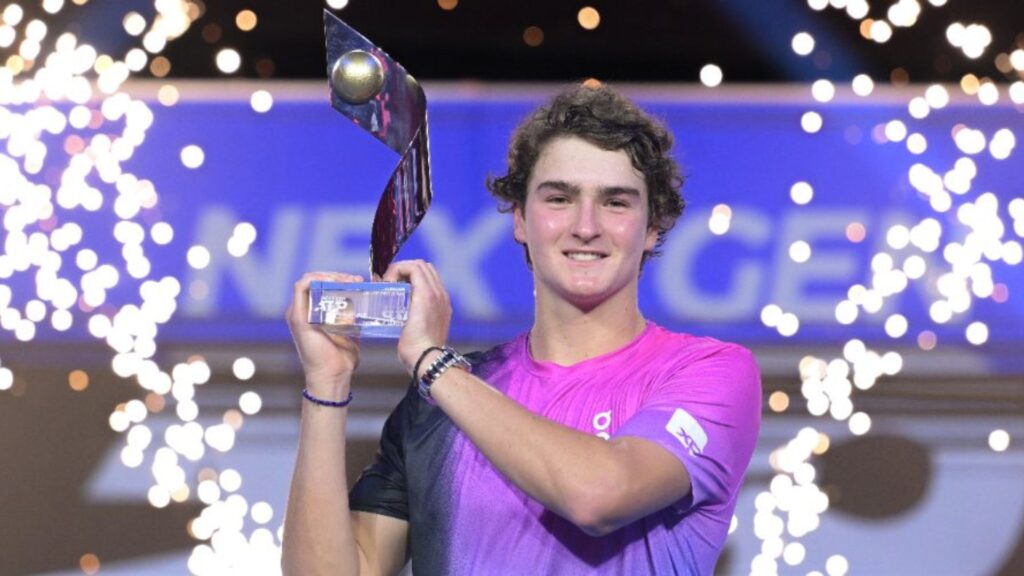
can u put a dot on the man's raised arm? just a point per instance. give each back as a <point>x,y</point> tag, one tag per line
<point>321,535</point>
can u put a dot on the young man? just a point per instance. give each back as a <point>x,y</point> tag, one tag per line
<point>597,442</point>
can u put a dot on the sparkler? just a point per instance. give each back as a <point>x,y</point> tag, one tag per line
<point>791,506</point>
<point>69,129</point>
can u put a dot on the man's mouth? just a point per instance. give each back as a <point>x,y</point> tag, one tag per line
<point>584,256</point>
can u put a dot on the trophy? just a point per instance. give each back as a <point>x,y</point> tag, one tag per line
<point>376,93</point>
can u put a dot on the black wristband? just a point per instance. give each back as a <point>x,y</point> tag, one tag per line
<point>416,369</point>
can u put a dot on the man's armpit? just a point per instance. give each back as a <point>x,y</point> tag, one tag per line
<point>382,542</point>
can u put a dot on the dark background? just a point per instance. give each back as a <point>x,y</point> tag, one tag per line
<point>637,41</point>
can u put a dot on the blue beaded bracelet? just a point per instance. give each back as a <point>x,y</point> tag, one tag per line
<point>321,402</point>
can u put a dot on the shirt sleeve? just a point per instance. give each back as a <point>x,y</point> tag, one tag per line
<point>707,414</point>
<point>382,488</point>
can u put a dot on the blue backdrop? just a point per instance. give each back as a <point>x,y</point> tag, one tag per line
<point>309,180</point>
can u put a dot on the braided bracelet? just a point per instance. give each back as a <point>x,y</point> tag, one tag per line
<point>423,356</point>
<point>321,402</point>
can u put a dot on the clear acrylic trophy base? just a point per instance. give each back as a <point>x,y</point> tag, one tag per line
<point>360,309</point>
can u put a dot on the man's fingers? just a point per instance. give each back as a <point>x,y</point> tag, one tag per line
<point>399,271</point>
<point>424,285</point>
<point>436,283</point>
<point>426,282</point>
<point>298,308</point>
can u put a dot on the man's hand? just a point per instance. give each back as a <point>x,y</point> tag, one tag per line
<point>327,359</point>
<point>430,309</point>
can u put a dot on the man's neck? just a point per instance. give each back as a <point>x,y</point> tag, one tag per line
<point>566,335</point>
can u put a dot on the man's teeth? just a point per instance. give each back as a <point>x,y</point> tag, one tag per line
<point>583,256</point>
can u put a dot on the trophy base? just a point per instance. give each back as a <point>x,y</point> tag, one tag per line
<point>360,309</point>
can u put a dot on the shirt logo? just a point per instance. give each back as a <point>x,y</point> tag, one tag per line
<point>602,421</point>
<point>688,431</point>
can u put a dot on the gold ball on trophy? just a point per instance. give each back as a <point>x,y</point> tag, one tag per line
<point>357,76</point>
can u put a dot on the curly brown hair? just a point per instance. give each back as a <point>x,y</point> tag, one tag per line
<point>605,118</point>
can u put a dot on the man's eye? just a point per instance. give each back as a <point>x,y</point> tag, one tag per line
<point>618,203</point>
<point>558,199</point>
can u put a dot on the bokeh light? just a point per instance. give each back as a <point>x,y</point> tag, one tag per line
<point>192,156</point>
<point>588,18</point>
<point>228,60</point>
<point>999,440</point>
<point>803,43</point>
<point>243,368</point>
<point>89,563</point>
<point>261,101</point>
<point>711,75</point>
<point>811,122</point>
<point>246,20</point>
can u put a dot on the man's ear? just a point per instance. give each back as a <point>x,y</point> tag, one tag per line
<point>651,240</point>
<point>518,224</point>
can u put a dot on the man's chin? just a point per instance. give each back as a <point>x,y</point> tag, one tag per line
<point>586,299</point>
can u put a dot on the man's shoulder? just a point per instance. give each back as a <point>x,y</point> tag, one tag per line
<point>494,356</point>
<point>678,353</point>
<point>693,345</point>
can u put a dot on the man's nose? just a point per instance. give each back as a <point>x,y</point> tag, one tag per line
<point>586,226</point>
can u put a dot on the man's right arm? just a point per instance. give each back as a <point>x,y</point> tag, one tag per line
<point>321,535</point>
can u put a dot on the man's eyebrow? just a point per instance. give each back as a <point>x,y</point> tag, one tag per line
<point>564,186</point>
<point>620,191</point>
<point>560,185</point>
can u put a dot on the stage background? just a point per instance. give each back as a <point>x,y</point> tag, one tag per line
<point>921,492</point>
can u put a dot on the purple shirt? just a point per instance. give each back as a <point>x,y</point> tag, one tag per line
<point>699,398</point>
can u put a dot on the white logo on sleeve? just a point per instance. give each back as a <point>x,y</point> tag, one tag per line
<point>687,430</point>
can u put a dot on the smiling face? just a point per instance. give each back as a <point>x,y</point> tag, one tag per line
<point>585,224</point>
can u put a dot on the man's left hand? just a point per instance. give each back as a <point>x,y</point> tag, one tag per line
<point>430,309</point>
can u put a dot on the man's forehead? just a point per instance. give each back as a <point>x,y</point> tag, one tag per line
<point>579,163</point>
